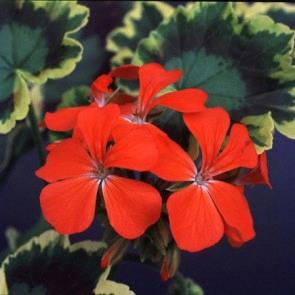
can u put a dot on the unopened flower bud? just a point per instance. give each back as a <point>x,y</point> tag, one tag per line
<point>160,236</point>
<point>115,252</point>
<point>170,263</point>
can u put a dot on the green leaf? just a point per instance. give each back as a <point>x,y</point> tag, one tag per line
<point>14,99</point>
<point>184,286</point>
<point>35,46</point>
<point>283,13</point>
<point>90,65</point>
<point>49,263</point>
<point>261,130</point>
<point>3,284</point>
<point>39,227</point>
<point>105,286</point>
<point>144,17</point>
<point>279,11</point>
<point>76,96</point>
<point>285,114</point>
<point>242,63</point>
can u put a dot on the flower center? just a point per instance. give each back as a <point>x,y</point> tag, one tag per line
<point>136,119</point>
<point>199,179</point>
<point>100,100</point>
<point>101,172</point>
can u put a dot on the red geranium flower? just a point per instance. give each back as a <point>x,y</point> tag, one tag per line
<point>77,167</point>
<point>152,79</point>
<point>65,118</point>
<point>202,212</point>
<point>99,88</point>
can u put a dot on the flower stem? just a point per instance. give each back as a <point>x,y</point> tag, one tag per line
<point>36,134</point>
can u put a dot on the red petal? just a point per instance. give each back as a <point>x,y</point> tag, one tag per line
<point>258,175</point>
<point>128,72</point>
<point>136,151</point>
<point>239,152</point>
<point>194,220</point>
<point>69,205</point>
<point>126,102</point>
<point>94,126</point>
<point>235,211</point>
<point>185,101</point>
<point>51,146</point>
<point>123,127</point>
<point>101,85</point>
<point>174,164</point>
<point>153,78</point>
<point>209,128</point>
<point>127,109</point>
<point>132,206</point>
<point>241,188</point>
<point>63,119</point>
<point>122,98</point>
<point>66,159</point>
<point>233,236</point>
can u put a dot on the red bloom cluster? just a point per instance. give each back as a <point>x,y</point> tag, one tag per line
<point>113,139</point>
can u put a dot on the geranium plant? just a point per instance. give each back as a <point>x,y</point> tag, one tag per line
<point>158,148</point>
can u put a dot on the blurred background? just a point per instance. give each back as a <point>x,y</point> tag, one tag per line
<point>266,265</point>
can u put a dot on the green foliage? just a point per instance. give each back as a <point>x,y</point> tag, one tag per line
<point>243,63</point>
<point>108,287</point>
<point>141,19</point>
<point>3,284</point>
<point>184,286</point>
<point>261,129</point>
<point>278,11</point>
<point>49,263</point>
<point>35,46</point>
<point>76,96</point>
<point>144,17</point>
<point>84,73</point>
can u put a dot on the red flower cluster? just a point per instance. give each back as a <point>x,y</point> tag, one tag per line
<point>114,139</point>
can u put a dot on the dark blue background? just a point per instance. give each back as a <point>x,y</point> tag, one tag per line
<point>263,266</point>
